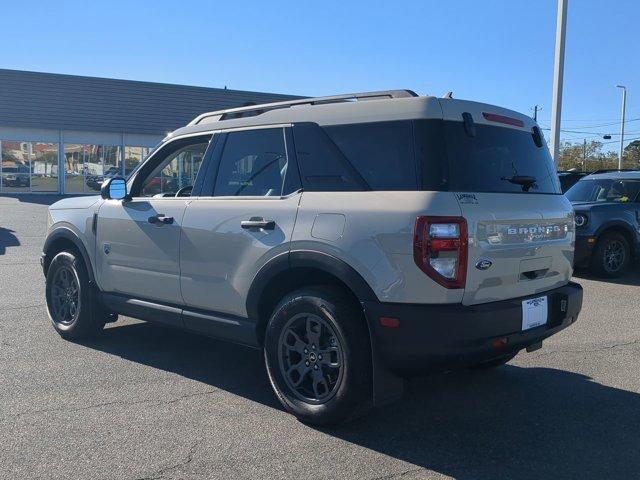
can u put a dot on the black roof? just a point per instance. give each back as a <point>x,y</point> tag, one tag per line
<point>70,102</point>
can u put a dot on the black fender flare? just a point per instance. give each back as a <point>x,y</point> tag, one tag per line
<point>306,259</point>
<point>621,224</point>
<point>71,236</point>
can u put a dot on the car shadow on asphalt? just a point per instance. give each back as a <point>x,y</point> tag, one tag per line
<point>36,198</point>
<point>7,239</point>
<point>511,422</point>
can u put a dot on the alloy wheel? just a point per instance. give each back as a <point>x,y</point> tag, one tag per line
<point>65,296</point>
<point>614,256</point>
<point>311,358</point>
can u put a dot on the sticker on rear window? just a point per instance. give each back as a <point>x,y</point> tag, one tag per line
<point>467,198</point>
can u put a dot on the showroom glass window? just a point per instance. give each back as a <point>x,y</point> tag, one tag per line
<point>74,168</point>
<point>15,168</point>
<point>83,168</point>
<point>44,167</point>
<point>112,165</point>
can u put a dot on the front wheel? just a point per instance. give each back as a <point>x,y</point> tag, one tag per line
<point>612,255</point>
<point>71,303</point>
<point>318,356</point>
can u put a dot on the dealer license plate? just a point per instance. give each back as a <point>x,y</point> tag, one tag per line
<point>534,312</point>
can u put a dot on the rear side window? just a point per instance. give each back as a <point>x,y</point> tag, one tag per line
<point>253,163</point>
<point>322,165</point>
<point>486,161</point>
<point>381,152</point>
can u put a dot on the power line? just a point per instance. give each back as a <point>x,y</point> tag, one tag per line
<point>595,134</point>
<point>601,124</point>
<point>609,124</point>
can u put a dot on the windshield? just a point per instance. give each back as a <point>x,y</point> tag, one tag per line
<point>604,190</point>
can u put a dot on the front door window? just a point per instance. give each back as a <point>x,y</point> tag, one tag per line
<point>176,172</point>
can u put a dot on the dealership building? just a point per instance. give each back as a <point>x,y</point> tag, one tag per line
<point>64,133</point>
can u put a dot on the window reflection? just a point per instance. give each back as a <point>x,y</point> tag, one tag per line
<point>14,166</point>
<point>178,170</point>
<point>112,165</point>
<point>34,166</point>
<point>87,166</point>
<point>133,156</point>
<point>74,168</point>
<point>44,167</point>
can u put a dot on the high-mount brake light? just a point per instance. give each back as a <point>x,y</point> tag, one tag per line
<point>494,117</point>
<point>440,249</point>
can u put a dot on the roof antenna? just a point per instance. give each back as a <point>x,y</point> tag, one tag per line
<point>448,95</point>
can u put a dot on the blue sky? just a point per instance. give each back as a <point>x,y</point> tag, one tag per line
<point>497,51</point>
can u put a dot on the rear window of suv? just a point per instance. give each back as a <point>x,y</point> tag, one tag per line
<point>492,158</point>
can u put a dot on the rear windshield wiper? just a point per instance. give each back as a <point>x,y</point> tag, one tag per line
<point>526,181</point>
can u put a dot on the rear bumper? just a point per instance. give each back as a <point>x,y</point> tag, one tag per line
<point>446,336</point>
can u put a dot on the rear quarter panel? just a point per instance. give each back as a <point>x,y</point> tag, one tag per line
<point>373,233</point>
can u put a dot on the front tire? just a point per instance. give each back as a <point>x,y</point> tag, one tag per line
<point>73,309</point>
<point>612,255</point>
<point>318,356</point>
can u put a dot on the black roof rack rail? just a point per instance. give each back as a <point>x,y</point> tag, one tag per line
<point>609,170</point>
<point>252,110</point>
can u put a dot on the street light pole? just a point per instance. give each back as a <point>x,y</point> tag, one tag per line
<point>558,74</point>
<point>624,104</point>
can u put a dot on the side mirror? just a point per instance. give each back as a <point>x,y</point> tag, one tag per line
<point>114,188</point>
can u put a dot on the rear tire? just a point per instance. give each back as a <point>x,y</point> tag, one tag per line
<point>612,255</point>
<point>72,305</point>
<point>318,356</point>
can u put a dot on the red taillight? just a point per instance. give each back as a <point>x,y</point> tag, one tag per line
<point>389,322</point>
<point>440,249</point>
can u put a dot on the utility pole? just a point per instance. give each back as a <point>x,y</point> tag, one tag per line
<point>558,74</point>
<point>624,104</point>
<point>535,113</point>
<point>584,155</point>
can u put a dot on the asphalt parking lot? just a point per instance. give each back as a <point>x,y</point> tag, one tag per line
<point>147,402</point>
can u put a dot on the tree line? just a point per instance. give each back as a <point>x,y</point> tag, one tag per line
<point>589,156</point>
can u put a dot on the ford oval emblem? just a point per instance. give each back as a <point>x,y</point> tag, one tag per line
<point>483,264</point>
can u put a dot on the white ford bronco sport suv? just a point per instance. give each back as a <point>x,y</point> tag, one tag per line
<point>355,239</point>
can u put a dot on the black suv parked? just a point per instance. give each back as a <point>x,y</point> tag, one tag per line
<point>569,178</point>
<point>607,209</point>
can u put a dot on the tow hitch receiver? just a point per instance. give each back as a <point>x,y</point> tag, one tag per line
<point>534,346</point>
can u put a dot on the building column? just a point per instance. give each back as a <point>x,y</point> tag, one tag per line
<point>29,152</point>
<point>61,164</point>
<point>122,142</point>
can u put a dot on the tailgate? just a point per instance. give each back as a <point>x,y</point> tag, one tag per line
<point>519,244</point>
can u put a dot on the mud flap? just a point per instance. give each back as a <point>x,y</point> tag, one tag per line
<point>387,386</point>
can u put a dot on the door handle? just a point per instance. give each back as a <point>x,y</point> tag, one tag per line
<point>160,219</point>
<point>258,222</point>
